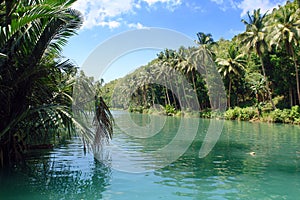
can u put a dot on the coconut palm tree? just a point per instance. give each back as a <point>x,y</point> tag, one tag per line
<point>188,64</point>
<point>254,39</point>
<point>285,33</point>
<point>206,41</point>
<point>163,72</point>
<point>231,67</point>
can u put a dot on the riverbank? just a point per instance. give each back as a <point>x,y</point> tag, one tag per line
<point>287,116</point>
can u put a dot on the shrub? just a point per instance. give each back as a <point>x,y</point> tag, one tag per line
<point>137,109</point>
<point>180,114</point>
<point>276,116</point>
<point>232,114</point>
<point>244,114</point>
<point>247,114</point>
<point>286,116</point>
<point>280,116</point>
<point>205,113</point>
<point>297,121</point>
<point>170,110</point>
<point>295,112</point>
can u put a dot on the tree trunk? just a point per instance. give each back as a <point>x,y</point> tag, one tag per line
<point>187,102</point>
<point>297,74</point>
<point>173,96</point>
<point>258,106</point>
<point>229,92</point>
<point>291,96</point>
<point>153,95</point>
<point>166,91</point>
<point>194,84</point>
<point>266,79</point>
<point>145,95</point>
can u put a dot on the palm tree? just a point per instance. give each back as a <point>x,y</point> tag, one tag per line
<point>185,67</point>
<point>206,41</point>
<point>163,74</point>
<point>188,65</point>
<point>254,39</point>
<point>231,66</point>
<point>285,33</point>
<point>36,85</point>
<point>258,87</point>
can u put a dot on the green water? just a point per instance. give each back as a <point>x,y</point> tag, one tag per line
<point>227,172</point>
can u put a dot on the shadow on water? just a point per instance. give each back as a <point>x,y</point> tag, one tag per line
<point>64,173</point>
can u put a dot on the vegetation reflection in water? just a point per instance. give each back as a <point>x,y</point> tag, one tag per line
<point>64,173</point>
<point>228,172</point>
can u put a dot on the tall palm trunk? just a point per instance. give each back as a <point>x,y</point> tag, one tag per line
<point>153,95</point>
<point>291,95</point>
<point>258,106</point>
<point>265,76</point>
<point>184,95</point>
<point>297,72</point>
<point>145,95</point>
<point>194,83</point>
<point>166,91</point>
<point>173,96</point>
<point>229,92</point>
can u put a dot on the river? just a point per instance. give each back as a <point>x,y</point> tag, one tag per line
<point>137,166</point>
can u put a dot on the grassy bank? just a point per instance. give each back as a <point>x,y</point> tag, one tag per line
<point>291,116</point>
<point>288,116</point>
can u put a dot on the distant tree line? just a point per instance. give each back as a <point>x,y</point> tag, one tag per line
<point>259,67</point>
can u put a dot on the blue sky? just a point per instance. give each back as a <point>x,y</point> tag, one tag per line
<point>106,18</point>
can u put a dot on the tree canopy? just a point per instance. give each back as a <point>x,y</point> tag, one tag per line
<point>259,66</point>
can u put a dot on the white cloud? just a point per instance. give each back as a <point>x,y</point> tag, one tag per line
<point>194,7</point>
<point>171,5</point>
<point>101,12</point>
<point>105,12</point>
<point>224,5</point>
<point>248,5</point>
<point>218,1</point>
<point>110,24</point>
<point>169,2</point>
<point>264,5</point>
<point>137,26</point>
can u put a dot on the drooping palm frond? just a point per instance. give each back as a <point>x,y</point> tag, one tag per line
<point>90,109</point>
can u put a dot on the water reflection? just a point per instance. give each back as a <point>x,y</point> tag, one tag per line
<point>136,154</point>
<point>64,173</point>
<point>227,172</point>
<point>230,172</point>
